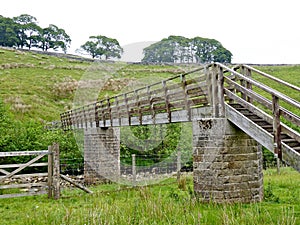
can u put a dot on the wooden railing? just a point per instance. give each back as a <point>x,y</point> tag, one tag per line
<point>182,92</point>
<point>241,87</point>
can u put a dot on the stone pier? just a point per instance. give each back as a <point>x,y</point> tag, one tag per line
<point>101,154</point>
<point>227,163</point>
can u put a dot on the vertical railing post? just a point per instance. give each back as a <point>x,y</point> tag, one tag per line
<point>127,109</point>
<point>133,170</point>
<point>96,114</point>
<point>50,172</point>
<point>221,101</point>
<point>248,84</point>
<point>209,86</point>
<point>109,111</point>
<point>186,99</point>
<point>178,165</point>
<point>243,82</point>
<point>277,129</point>
<point>118,109</point>
<point>56,171</point>
<point>167,102</point>
<point>214,93</point>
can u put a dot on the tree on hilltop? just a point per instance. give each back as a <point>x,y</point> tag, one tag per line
<point>8,32</point>
<point>53,37</point>
<point>23,31</point>
<point>99,46</point>
<point>178,49</point>
<point>28,30</point>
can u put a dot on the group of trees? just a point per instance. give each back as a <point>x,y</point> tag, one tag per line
<point>24,31</point>
<point>178,49</point>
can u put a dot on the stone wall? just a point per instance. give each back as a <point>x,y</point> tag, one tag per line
<point>227,163</point>
<point>101,154</point>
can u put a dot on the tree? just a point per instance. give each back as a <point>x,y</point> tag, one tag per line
<point>53,37</point>
<point>172,49</point>
<point>8,32</point>
<point>210,50</point>
<point>180,49</point>
<point>99,46</point>
<point>28,30</point>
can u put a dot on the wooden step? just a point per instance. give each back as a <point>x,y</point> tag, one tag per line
<point>291,142</point>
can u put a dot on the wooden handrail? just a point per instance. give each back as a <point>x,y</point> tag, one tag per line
<point>264,87</point>
<point>273,78</point>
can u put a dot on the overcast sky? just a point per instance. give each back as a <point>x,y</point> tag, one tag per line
<point>255,31</point>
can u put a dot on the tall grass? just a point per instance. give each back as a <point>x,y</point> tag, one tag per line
<point>165,203</point>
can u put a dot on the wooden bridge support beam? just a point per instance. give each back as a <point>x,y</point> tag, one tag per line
<point>227,163</point>
<point>101,154</point>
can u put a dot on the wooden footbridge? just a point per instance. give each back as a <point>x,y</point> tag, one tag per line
<point>209,97</point>
<point>215,90</point>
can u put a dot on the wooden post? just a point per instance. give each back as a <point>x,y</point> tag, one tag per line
<point>277,130</point>
<point>56,171</point>
<point>178,165</point>
<point>215,103</point>
<point>164,84</point>
<point>109,111</point>
<point>50,172</point>
<point>96,114</point>
<point>209,86</point>
<point>138,104</point>
<point>186,99</point>
<point>133,171</point>
<point>221,101</point>
<point>127,109</point>
<point>243,82</point>
<point>248,84</point>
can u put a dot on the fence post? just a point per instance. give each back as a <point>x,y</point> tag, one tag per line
<point>133,170</point>
<point>50,172</point>
<point>277,130</point>
<point>56,171</point>
<point>178,165</point>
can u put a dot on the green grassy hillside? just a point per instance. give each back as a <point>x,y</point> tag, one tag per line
<point>40,87</point>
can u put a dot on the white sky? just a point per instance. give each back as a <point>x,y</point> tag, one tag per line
<point>255,31</point>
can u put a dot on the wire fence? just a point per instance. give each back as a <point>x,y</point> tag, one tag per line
<point>133,169</point>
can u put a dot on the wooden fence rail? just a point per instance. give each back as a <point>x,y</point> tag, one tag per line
<point>53,176</point>
<point>10,171</point>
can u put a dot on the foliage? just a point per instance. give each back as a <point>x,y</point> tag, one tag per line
<point>23,31</point>
<point>8,32</point>
<point>99,46</point>
<point>163,141</point>
<point>163,203</point>
<point>53,37</point>
<point>30,136</point>
<point>181,49</point>
<point>28,30</point>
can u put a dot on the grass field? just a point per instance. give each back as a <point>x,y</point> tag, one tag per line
<point>164,203</point>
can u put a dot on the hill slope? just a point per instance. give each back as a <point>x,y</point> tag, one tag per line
<point>40,87</point>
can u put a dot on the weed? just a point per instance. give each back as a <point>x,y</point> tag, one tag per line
<point>269,195</point>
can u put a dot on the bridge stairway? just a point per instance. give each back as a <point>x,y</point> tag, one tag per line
<point>289,144</point>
